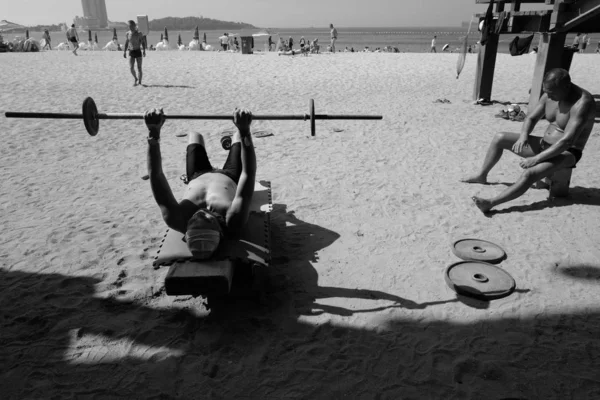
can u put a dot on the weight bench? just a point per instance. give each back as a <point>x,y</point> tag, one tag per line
<point>558,183</point>
<point>250,252</point>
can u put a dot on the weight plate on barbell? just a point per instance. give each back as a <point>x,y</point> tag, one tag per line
<point>478,279</point>
<point>478,250</point>
<point>90,116</point>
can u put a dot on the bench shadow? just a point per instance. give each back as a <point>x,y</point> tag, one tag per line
<point>577,195</point>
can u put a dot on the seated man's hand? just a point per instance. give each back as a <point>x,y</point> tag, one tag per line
<point>242,118</point>
<point>520,145</point>
<point>154,118</point>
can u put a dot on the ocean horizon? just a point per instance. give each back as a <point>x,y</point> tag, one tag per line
<point>406,39</point>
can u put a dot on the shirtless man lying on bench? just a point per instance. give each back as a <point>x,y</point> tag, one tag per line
<point>217,201</point>
<point>570,110</point>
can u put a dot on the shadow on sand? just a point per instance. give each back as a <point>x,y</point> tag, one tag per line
<point>577,195</point>
<point>56,335</point>
<point>169,86</point>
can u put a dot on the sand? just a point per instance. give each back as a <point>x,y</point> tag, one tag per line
<point>355,303</point>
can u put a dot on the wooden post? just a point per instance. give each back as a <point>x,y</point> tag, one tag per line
<point>550,53</point>
<point>486,63</point>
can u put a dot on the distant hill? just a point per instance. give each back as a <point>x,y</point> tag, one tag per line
<point>190,23</point>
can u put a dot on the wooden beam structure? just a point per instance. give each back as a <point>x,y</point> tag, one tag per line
<point>563,17</point>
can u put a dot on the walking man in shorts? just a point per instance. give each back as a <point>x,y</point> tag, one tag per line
<point>73,37</point>
<point>217,201</point>
<point>135,42</point>
<point>333,37</point>
<point>570,111</point>
<point>433,43</point>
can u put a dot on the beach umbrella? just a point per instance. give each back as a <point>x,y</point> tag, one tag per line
<point>90,36</point>
<point>166,34</point>
<point>196,34</point>
<point>462,56</point>
<point>8,26</point>
<point>96,37</point>
<point>115,34</point>
<point>179,40</point>
<point>27,34</point>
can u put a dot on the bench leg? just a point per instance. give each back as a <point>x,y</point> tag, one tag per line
<point>559,182</point>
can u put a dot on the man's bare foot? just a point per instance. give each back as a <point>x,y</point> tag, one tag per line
<point>484,205</point>
<point>475,179</point>
<point>136,82</point>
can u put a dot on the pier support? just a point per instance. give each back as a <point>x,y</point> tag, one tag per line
<point>486,63</point>
<point>551,54</point>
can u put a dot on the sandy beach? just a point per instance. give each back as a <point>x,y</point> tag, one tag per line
<point>355,304</point>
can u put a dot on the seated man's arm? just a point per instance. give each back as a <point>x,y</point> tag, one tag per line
<point>534,117</point>
<point>578,119</point>
<point>238,213</point>
<point>161,190</point>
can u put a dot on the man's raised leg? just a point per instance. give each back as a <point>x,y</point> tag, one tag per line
<point>526,180</point>
<point>501,141</point>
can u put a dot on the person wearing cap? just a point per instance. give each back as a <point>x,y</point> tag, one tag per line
<point>217,201</point>
<point>135,42</point>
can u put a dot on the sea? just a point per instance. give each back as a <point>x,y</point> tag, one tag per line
<point>405,39</point>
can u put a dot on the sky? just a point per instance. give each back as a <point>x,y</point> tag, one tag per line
<point>261,13</point>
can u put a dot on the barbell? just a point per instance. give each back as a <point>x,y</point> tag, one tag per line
<point>91,117</point>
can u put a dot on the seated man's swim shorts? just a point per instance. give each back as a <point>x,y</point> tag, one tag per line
<point>197,162</point>
<point>576,152</point>
<point>73,39</point>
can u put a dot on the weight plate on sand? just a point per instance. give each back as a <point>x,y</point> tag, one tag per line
<point>90,116</point>
<point>479,280</point>
<point>478,250</point>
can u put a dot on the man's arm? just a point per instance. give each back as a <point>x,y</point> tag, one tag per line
<point>534,117</point>
<point>126,46</point>
<point>238,213</point>
<point>578,119</point>
<point>158,182</point>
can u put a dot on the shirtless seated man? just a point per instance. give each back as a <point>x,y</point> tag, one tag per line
<point>217,201</point>
<point>570,110</point>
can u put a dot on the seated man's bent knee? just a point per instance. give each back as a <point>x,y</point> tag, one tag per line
<point>196,137</point>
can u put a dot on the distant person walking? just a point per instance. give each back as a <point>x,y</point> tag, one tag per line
<point>136,44</point>
<point>47,39</point>
<point>224,41</point>
<point>73,37</point>
<point>291,43</point>
<point>270,43</point>
<point>433,43</point>
<point>584,43</point>
<point>576,41</point>
<point>334,35</point>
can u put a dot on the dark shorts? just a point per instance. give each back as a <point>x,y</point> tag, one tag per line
<point>197,162</point>
<point>135,53</point>
<point>576,152</point>
<point>73,39</point>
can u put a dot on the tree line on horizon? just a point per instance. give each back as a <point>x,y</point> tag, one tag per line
<point>175,23</point>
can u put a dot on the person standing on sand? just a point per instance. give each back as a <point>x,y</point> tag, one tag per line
<point>46,37</point>
<point>576,41</point>
<point>570,111</point>
<point>135,43</point>
<point>433,43</point>
<point>334,35</point>
<point>73,37</point>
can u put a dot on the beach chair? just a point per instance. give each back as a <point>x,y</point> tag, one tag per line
<point>246,257</point>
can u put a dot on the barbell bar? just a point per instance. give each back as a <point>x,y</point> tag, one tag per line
<point>91,117</point>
